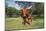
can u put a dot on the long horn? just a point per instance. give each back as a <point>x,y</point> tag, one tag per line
<point>29,7</point>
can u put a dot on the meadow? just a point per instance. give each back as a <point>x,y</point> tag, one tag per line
<point>16,23</point>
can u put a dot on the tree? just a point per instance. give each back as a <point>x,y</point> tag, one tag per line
<point>39,8</point>
<point>10,11</point>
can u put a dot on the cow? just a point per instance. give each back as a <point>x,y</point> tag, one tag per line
<point>27,17</point>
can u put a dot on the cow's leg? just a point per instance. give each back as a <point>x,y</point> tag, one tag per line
<point>24,22</point>
<point>27,21</point>
<point>30,20</point>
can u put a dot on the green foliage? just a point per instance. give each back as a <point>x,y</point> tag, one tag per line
<point>39,9</point>
<point>17,12</point>
<point>30,10</point>
<point>11,11</point>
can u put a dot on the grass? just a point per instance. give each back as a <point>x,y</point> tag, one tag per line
<point>16,23</point>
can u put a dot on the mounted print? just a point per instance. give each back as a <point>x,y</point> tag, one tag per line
<point>23,15</point>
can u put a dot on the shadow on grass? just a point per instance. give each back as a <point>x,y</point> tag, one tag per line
<point>12,16</point>
<point>38,17</point>
<point>7,30</point>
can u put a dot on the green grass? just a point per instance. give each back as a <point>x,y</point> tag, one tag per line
<point>16,23</point>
